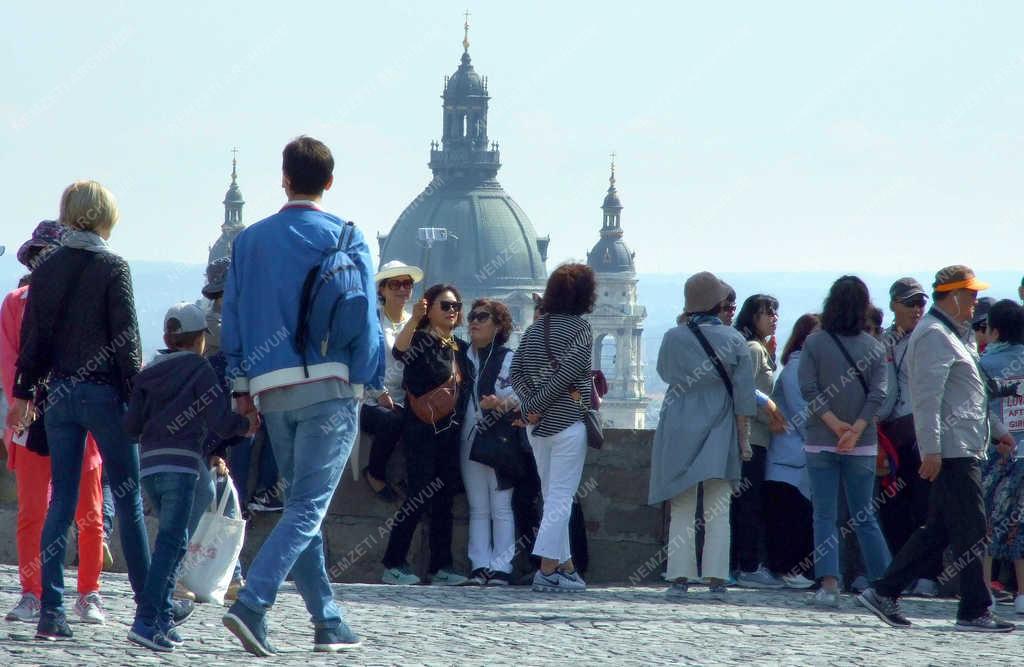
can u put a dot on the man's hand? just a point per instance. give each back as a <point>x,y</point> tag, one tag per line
<point>254,423</point>
<point>930,467</point>
<point>244,404</point>
<point>1006,446</point>
<point>220,464</point>
<point>384,401</point>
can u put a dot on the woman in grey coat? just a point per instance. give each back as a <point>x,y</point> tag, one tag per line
<point>701,435</point>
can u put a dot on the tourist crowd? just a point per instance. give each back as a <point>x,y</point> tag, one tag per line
<point>879,460</point>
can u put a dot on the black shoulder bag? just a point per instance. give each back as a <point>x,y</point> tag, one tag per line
<point>715,359</point>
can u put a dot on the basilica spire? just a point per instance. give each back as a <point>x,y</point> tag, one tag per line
<point>233,201</point>
<point>612,207</point>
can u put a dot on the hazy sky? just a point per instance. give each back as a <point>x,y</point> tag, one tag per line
<point>750,136</point>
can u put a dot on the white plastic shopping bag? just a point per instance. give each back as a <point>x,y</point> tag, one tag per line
<point>210,559</point>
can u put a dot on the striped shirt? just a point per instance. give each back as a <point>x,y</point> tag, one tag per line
<point>543,381</point>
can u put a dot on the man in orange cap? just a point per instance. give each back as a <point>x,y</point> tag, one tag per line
<point>949,395</point>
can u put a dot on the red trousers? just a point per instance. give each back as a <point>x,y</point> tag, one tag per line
<point>32,473</point>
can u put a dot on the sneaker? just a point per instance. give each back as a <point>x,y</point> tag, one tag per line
<point>499,579</point>
<point>1018,604</point>
<point>182,593</point>
<point>477,578</point>
<point>759,578</point>
<point>27,609</point>
<point>150,636</point>
<point>1002,597</point>
<point>797,581</point>
<point>399,576</point>
<point>265,501</point>
<point>180,611</point>
<point>987,622</point>
<point>172,634</point>
<point>90,609</point>
<point>926,588</point>
<point>108,557</point>
<point>558,582</point>
<point>885,608</point>
<point>250,628</point>
<point>860,584</point>
<point>447,578</point>
<point>332,640</point>
<point>717,590</point>
<point>233,588</point>
<point>53,626</point>
<point>678,590</point>
<point>826,598</point>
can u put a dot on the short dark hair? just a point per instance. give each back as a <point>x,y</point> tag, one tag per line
<point>845,312</point>
<point>806,324</point>
<point>875,316</point>
<point>308,164</point>
<point>752,307</point>
<point>431,295</point>
<point>1007,317</point>
<point>180,341</point>
<point>501,316</point>
<point>571,290</point>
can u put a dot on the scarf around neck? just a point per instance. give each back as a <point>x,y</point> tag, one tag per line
<point>83,240</point>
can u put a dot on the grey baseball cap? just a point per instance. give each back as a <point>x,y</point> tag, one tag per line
<point>184,318</point>
<point>216,277</point>
<point>906,288</point>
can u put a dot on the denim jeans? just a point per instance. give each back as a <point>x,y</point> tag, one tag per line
<point>108,508</point>
<point>239,460</point>
<point>209,489</point>
<point>857,474</point>
<point>311,446</point>
<point>170,495</point>
<point>77,409</point>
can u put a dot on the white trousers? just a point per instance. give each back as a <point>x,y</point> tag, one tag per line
<point>492,528</point>
<point>560,460</point>
<point>682,546</point>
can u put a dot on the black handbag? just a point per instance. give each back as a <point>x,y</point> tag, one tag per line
<point>36,441</point>
<point>497,446</point>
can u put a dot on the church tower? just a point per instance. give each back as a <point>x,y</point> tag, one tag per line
<point>617,320</point>
<point>232,226</point>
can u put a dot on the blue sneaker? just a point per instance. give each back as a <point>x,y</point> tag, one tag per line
<point>250,628</point>
<point>149,635</point>
<point>332,640</point>
<point>171,632</point>
<point>53,626</point>
<point>181,610</point>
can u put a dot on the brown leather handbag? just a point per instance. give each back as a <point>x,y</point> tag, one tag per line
<point>439,402</point>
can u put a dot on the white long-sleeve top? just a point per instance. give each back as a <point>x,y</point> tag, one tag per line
<point>393,368</point>
<point>502,389</point>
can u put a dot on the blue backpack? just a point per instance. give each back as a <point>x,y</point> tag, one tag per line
<point>336,279</point>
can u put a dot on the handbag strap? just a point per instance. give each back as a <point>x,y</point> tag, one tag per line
<point>849,360</point>
<point>712,354</point>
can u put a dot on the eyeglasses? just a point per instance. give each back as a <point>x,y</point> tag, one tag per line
<point>399,284</point>
<point>915,302</point>
<point>479,316</point>
<point>731,307</point>
<point>451,306</point>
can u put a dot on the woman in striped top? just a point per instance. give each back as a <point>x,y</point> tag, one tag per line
<point>551,376</point>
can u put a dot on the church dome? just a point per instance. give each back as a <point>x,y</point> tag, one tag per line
<point>465,81</point>
<point>610,255</point>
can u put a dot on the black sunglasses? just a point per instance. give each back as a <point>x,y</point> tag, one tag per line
<point>399,284</point>
<point>447,306</point>
<point>915,301</point>
<point>479,316</point>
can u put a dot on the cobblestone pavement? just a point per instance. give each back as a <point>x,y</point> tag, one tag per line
<point>478,626</point>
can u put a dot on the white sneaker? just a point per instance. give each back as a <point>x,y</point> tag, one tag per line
<point>447,578</point>
<point>797,581</point>
<point>1018,604</point>
<point>27,609</point>
<point>399,576</point>
<point>558,582</point>
<point>90,609</point>
<point>759,578</point>
<point>826,598</point>
<point>926,588</point>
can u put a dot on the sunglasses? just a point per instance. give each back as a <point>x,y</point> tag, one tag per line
<point>451,306</point>
<point>915,302</point>
<point>479,316</point>
<point>399,284</point>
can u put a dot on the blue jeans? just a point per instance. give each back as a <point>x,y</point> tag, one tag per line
<point>170,495</point>
<point>77,409</point>
<point>108,508</point>
<point>312,446</point>
<point>239,458</point>
<point>857,473</point>
<point>209,490</point>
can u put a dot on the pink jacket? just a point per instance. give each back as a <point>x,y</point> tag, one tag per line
<point>11,313</point>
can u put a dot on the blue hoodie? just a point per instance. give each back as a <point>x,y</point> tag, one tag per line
<point>269,263</point>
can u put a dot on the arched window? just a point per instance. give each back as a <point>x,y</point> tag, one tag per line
<point>607,360</point>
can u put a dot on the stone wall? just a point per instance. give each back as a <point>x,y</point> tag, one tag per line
<point>624,534</point>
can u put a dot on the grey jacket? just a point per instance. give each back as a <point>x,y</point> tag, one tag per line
<point>829,383</point>
<point>947,390</point>
<point>764,371</point>
<point>696,438</point>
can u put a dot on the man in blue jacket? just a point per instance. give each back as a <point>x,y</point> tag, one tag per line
<point>306,392</point>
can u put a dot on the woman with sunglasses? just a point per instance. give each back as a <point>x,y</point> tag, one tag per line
<point>492,401</point>
<point>434,362</point>
<point>383,412</point>
<point>551,376</point>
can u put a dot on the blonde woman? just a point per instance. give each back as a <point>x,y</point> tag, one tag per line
<point>80,330</point>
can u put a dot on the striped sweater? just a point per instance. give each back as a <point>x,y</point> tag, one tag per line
<point>543,380</point>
